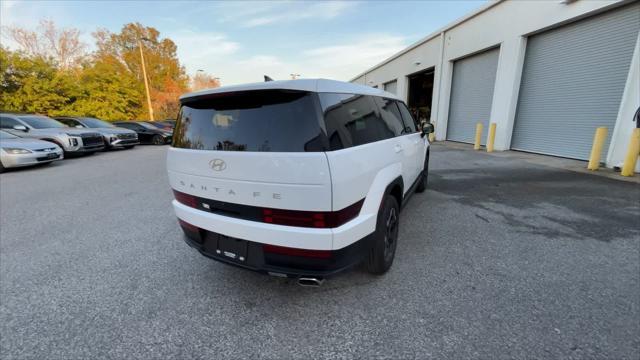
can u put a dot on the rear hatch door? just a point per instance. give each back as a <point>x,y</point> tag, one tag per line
<point>260,148</point>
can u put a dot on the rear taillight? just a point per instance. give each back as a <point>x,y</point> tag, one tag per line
<point>310,219</point>
<point>314,219</point>
<point>281,250</point>
<point>185,199</point>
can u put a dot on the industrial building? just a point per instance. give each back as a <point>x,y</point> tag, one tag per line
<point>547,73</point>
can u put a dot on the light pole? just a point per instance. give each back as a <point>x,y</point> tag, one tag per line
<point>146,82</point>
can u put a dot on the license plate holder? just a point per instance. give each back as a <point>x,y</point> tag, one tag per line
<point>232,248</point>
<point>52,156</point>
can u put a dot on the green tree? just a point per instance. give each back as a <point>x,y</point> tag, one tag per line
<point>34,84</point>
<point>109,92</point>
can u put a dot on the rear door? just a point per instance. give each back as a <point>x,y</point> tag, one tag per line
<point>412,128</point>
<point>405,145</point>
<point>259,148</point>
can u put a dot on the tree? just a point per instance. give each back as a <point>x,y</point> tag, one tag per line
<point>34,84</point>
<point>109,92</point>
<point>51,75</point>
<point>48,42</point>
<point>203,80</point>
<point>167,79</point>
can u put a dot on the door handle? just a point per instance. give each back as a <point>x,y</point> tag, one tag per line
<point>397,148</point>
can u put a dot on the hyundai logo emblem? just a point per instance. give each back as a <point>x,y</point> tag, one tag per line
<point>218,164</point>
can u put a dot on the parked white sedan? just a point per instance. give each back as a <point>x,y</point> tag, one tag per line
<point>16,151</point>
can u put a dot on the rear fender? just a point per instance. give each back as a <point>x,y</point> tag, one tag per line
<point>365,224</point>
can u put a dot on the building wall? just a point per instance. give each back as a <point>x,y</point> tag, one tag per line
<point>506,24</point>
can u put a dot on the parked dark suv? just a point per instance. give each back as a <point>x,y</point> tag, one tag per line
<point>147,133</point>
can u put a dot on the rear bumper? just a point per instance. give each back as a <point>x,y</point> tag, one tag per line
<point>261,260</point>
<point>279,235</point>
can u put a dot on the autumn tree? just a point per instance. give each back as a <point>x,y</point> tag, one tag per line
<point>167,79</point>
<point>63,46</point>
<point>203,80</point>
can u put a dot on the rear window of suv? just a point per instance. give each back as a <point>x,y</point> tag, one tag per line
<point>261,120</point>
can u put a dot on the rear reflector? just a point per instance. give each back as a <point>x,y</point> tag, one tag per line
<point>281,250</point>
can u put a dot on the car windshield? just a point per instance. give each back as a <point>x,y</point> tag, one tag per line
<point>264,120</point>
<point>148,125</point>
<point>6,135</point>
<point>41,122</point>
<point>96,123</point>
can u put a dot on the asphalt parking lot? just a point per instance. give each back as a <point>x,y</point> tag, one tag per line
<point>498,259</point>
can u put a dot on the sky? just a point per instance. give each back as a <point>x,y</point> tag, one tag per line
<point>240,41</point>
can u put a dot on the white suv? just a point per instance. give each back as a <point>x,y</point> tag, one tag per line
<point>300,178</point>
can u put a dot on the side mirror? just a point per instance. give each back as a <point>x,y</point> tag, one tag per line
<point>427,128</point>
<point>21,128</point>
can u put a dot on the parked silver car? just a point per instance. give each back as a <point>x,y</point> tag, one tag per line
<point>16,151</point>
<point>71,140</point>
<point>114,137</point>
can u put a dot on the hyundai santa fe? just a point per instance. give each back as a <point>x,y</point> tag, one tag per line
<point>299,178</point>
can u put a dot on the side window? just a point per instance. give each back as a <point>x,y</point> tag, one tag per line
<point>69,122</point>
<point>391,115</point>
<point>408,120</point>
<point>8,123</point>
<point>352,120</point>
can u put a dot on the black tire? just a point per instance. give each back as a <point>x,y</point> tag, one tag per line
<point>385,238</point>
<point>422,183</point>
<point>129,146</point>
<point>1,167</point>
<point>157,140</point>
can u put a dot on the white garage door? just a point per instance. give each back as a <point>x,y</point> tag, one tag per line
<point>472,86</point>
<point>572,82</point>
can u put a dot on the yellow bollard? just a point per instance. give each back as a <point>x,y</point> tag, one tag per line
<point>492,137</point>
<point>476,145</point>
<point>598,142</point>
<point>632,154</point>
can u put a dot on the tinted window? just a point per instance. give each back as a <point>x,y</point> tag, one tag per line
<point>406,117</point>
<point>41,122</point>
<point>95,123</point>
<point>8,123</point>
<point>266,120</point>
<point>150,126</point>
<point>69,122</point>
<point>391,115</point>
<point>131,126</point>
<point>352,120</point>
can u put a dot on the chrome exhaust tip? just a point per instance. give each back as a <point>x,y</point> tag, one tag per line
<point>310,281</point>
